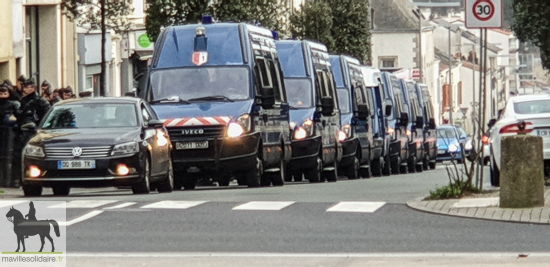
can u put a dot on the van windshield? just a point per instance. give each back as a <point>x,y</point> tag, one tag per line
<point>298,92</point>
<point>190,83</point>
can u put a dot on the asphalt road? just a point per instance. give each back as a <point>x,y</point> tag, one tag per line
<point>297,219</point>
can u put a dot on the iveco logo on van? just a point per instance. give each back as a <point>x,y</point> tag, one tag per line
<point>192,131</point>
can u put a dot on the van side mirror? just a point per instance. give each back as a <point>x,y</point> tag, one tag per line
<point>388,110</point>
<point>28,127</point>
<point>431,124</point>
<point>327,105</point>
<point>267,97</point>
<point>491,123</point>
<point>363,111</point>
<point>419,123</point>
<point>404,119</point>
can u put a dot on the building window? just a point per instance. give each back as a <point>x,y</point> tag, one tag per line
<point>387,62</point>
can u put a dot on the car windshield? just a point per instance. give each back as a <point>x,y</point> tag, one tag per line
<point>532,107</point>
<point>446,133</point>
<point>93,115</point>
<point>299,93</point>
<point>343,99</point>
<point>192,83</point>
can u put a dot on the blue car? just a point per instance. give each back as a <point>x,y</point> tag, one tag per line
<point>448,144</point>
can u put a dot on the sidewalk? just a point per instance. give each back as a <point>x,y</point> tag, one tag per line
<point>484,208</point>
<point>10,192</point>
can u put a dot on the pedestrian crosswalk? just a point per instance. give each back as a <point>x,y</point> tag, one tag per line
<point>113,205</point>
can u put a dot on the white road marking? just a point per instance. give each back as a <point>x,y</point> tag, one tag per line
<point>264,205</point>
<point>484,255</point>
<point>9,203</point>
<point>477,202</point>
<point>120,206</point>
<point>82,218</point>
<point>169,204</point>
<point>82,204</point>
<point>356,206</point>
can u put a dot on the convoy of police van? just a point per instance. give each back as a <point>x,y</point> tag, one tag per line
<point>239,104</point>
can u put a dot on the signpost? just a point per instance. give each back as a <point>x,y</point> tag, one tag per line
<point>416,74</point>
<point>483,14</point>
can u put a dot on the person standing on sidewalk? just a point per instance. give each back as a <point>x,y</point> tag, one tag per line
<point>8,109</point>
<point>33,109</point>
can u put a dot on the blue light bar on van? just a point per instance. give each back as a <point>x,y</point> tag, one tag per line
<point>207,19</point>
<point>275,35</point>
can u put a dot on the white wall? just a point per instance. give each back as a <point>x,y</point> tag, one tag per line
<point>401,45</point>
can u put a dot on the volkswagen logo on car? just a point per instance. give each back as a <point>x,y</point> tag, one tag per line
<point>77,151</point>
<point>192,131</point>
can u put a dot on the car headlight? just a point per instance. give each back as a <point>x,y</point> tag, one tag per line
<point>240,126</point>
<point>126,148</point>
<point>34,151</point>
<point>304,131</point>
<point>453,147</point>
<point>468,145</point>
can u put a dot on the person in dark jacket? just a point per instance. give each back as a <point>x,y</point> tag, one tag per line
<point>13,92</point>
<point>8,108</point>
<point>46,91</point>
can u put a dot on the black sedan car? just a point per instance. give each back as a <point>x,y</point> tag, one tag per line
<point>98,142</point>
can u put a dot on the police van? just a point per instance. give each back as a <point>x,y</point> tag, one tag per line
<point>314,110</point>
<point>414,126</point>
<point>355,107</point>
<point>219,89</point>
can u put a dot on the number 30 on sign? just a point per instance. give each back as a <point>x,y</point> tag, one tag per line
<point>483,13</point>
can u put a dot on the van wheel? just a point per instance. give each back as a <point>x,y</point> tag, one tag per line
<point>376,167</point>
<point>253,176</point>
<point>331,175</point>
<point>278,178</point>
<point>314,174</point>
<point>419,167</point>
<point>144,186</point>
<point>386,168</point>
<point>352,171</point>
<point>365,172</point>
<point>426,163</point>
<point>494,173</point>
<point>224,180</point>
<point>298,176</point>
<point>411,164</point>
<point>189,182</point>
<point>432,165</point>
<point>395,163</point>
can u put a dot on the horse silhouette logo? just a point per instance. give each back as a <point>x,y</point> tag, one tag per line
<point>30,226</point>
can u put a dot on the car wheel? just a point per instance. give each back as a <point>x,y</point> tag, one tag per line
<point>254,175</point>
<point>432,165</point>
<point>420,167</point>
<point>189,182</point>
<point>144,186</point>
<point>167,185</point>
<point>494,173</point>
<point>352,171</point>
<point>32,191</point>
<point>314,174</point>
<point>61,190</point>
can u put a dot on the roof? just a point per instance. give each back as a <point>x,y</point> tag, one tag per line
<point>114,100</point>
<point>465,34</point>
<point>394,16</point>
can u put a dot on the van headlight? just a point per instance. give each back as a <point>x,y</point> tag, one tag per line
<point>126,148</point>
<point>304,131</point>
<point>34,151</point>
<point>348,131</point>
<point>240,126</point>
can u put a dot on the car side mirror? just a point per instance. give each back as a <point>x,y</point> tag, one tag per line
<point>28,127</point>
<point>404,119</point>
<point>363,111</point>
<point>491,123</point>
<point>155,123</point>
<point>419,122</point>
<point>327,105</point>
<point>431,124</point>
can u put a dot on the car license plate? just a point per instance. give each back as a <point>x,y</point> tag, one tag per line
<point>441,151</point>
<point>544,133</point>
<point>191,145</point>
<point>75,164</point>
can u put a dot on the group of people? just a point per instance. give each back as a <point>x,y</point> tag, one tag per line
<point>21,104</point>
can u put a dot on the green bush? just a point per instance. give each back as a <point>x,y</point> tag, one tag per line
<point>453,190</point>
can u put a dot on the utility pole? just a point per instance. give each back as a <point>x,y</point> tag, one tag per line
<point>102,77</point>
<point>450,80</point>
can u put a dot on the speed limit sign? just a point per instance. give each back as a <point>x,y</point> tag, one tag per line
<point>483,13</point>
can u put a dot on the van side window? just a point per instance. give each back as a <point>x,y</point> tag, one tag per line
<point>276,81</point>
<point>332,89</point>
<point>265,74</point>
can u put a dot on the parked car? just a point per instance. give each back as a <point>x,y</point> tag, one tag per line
<point>448,144</point>
<point>219,87</point>
<point>379,112</point>
<point>429,128</point>
<point>534,110</point>
<point>91,142</point>
<point>314,111</point>
<point>466,142</point>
